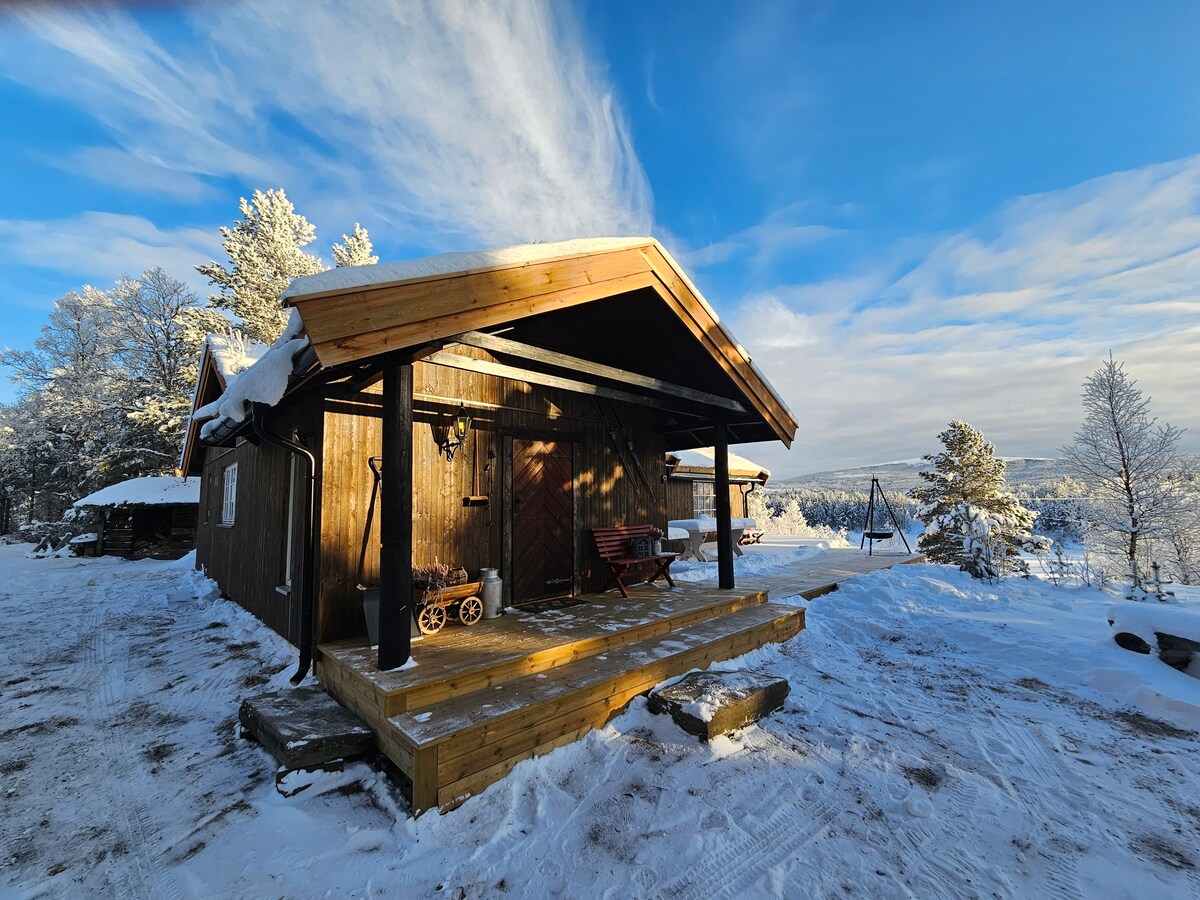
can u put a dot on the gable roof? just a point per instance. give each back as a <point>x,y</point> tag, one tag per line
<point>148,490</point>
<point>700,462</point>
<point>356,313</point>
<point>221,361</point>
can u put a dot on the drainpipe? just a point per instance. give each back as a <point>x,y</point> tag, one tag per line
<point>307,607</point>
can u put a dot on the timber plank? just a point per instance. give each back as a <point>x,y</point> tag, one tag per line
<point>732,357</point>
<point>452,795</point>
<point>512,706</point>
<point>470,772</point>
<point>338,313</point>
<point>473,660</point>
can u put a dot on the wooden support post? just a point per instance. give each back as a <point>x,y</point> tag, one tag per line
<point>724,527</point>
<point>395,523</point>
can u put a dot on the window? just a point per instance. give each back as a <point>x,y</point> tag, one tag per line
<point>229,495</point>
<point>704,498</point>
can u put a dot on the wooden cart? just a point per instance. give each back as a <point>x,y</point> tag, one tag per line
<point>462,601</point>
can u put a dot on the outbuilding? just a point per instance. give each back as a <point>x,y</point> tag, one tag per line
<point>149,517</point>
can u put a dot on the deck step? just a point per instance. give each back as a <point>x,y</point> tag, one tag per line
<point>476,659</point>
<point>457,747</point>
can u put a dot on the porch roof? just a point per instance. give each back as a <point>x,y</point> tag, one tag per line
<point>615,312</point>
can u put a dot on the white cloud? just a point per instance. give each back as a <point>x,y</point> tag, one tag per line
<point>98,247</point>
<point>998,325</point>
<point>783,230</point>
<point>451,121</point>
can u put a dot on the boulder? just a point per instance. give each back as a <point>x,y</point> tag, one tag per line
<point>1176,651</point>
<point>1128,641</point>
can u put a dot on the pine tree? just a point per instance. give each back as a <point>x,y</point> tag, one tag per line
<point>1137,478</point>
<point>265,254</point>
<point>357,251</point>
<point>971,519</point>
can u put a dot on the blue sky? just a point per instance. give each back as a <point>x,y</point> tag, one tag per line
<point>907,212</point>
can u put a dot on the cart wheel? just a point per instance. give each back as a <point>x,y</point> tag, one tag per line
<point>431,619</point>
<point>470,611</point>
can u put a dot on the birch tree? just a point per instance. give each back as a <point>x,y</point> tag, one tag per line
<point>1130,463</point>
<point>158,349</point>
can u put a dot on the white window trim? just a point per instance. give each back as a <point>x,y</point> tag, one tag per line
<point>229,494</point>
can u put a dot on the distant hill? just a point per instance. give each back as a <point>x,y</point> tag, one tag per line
<point>1023,473</point>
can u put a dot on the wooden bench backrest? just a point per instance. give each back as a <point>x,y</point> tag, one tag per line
<point>613,542</point>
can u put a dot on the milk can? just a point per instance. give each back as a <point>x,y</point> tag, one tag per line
<point>492,592</point>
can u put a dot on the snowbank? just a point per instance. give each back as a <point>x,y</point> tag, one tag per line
<point>943,738</point>
<point>149,490</point>
<point>1148,617</point>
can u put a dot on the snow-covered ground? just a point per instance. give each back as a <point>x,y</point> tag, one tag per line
<point>943,738</point>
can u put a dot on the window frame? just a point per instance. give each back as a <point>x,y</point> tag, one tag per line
<point>229,495</point>
<point>706,490</point>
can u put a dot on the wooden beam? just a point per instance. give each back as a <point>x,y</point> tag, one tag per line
<point>395,523</point>
<point>699,318</point>
<point>413,307</point>
<point>498,344</point>
<point>500,370</point>
<point>724,526</point>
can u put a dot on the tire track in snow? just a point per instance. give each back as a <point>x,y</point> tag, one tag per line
<point>737,864</point>
<point>145,874</point>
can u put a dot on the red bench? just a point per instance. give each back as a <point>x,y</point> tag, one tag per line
<point>613,545</point>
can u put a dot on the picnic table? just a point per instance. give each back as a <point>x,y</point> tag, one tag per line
<point>697,532</point>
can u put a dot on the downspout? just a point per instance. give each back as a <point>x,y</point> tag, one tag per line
<point>307,607</point>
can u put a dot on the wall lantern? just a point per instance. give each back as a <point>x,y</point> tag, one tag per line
<point>453,436</point>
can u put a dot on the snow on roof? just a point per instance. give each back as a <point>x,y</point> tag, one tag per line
<point>149,490</point>
<point>262,382</point>
<point>232,355</point>
<point>348,278</point>
<point>705,458</point>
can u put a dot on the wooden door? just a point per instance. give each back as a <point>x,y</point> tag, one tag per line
<point>543,537</point>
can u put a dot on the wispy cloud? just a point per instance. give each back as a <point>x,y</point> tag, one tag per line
<point>453,121</point>
<point>997,325</point>
<point>99,247</point>
<point>760,244</point>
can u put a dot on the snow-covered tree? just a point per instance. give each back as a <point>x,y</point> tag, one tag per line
<point>265,250</point>
<point>971,519</point>
<point>1134,473</point>
<point>71,417</point>
<point>158,349</point>
<point>356,251</point>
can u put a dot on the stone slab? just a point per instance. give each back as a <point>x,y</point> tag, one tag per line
<point>304,727</point>
<point>707,704</point>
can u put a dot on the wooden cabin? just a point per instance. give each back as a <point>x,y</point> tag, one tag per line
<point>152,517</point>
<point>692,481</point>
<point>580,366</point>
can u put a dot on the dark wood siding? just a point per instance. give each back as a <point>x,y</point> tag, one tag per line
<point>444,529</point>
<point>247,558</point>
<point>344,429</point>
<point>680,504</point>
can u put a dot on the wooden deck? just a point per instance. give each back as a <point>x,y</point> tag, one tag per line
<point>822,573</point>
<point>481,699</point>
